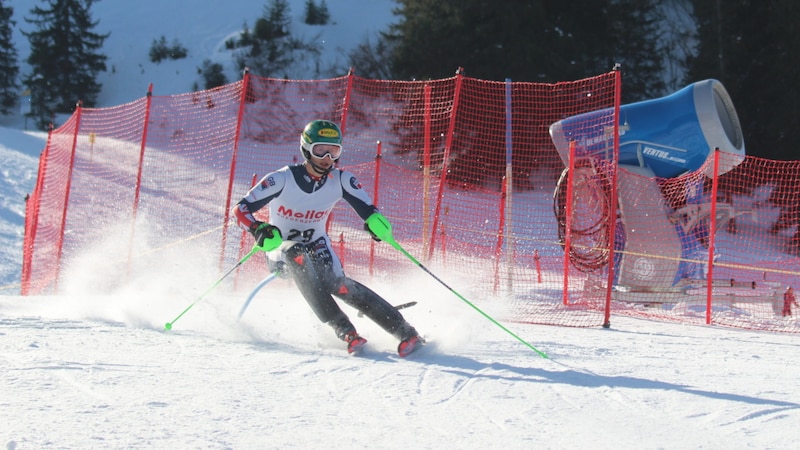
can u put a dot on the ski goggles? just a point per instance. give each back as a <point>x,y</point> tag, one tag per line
<point>320,150</point>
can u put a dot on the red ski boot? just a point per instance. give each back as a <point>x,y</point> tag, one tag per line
<point>407,346</point>
<point>354,342</point>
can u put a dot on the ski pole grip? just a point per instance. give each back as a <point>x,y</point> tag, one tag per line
<point>271,243</point>
<point>379,225</point>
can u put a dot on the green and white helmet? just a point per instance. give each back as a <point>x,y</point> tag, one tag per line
<point>320,132</point>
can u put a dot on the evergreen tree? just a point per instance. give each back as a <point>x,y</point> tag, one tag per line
<point>634,33</point>
<point>535,40</point>
<point>372,60</point>
<point>213,74</point>
<point>275,23</point>
<point>312,13</point>
<point>274,50</point>
<point>491,40</point>
<point>64,58</point>
<point>323,14</point>
<point>752,48</point>
<point>9,69</point>
<point>317,14</point>
<point>676,35</point>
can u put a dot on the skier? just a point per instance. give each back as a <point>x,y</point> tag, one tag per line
<point>788,301</point>
<point>300,198</point>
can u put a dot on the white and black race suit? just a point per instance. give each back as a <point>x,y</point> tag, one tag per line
<point>299,206</point>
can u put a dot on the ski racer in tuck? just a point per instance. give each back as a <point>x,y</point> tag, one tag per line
<point>300,197</point>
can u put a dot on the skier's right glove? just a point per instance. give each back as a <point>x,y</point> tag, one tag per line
<point>268,237</point>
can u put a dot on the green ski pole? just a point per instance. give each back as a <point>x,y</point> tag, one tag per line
<point>380,226</point>
<point>268,245</point>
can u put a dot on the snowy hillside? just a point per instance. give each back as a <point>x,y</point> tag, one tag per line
<point>202,27</point>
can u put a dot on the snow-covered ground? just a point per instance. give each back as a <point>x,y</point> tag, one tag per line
<point>83,372</point>
<point>98,371</point>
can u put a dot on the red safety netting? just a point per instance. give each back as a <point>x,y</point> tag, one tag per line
<point>468,174</point>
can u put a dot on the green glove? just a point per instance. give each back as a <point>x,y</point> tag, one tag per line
<point>268,237</point>
<point>379,226</point>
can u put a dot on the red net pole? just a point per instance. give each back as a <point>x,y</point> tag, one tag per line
<point>426,171</point>
<point>375,192</point>
<point>447,148</point>
<point>712,226</point>
<point>138,189</point>
<point>444,247</point>
<point>507,224</point>
<point>347,96</point>
<point>498,251</point>
<point>60,244</point>
<point>142,148</point>
<point>568,220</point>
<point>232,174</point>
<point>343,125</point>
<point>243,236</point>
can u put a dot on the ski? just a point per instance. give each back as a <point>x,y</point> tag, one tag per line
<point>250,297</point>
<point>398,307</point>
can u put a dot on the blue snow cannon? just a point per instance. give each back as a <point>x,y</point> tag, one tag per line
<point>670,135</point>
<point>660,244</point>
